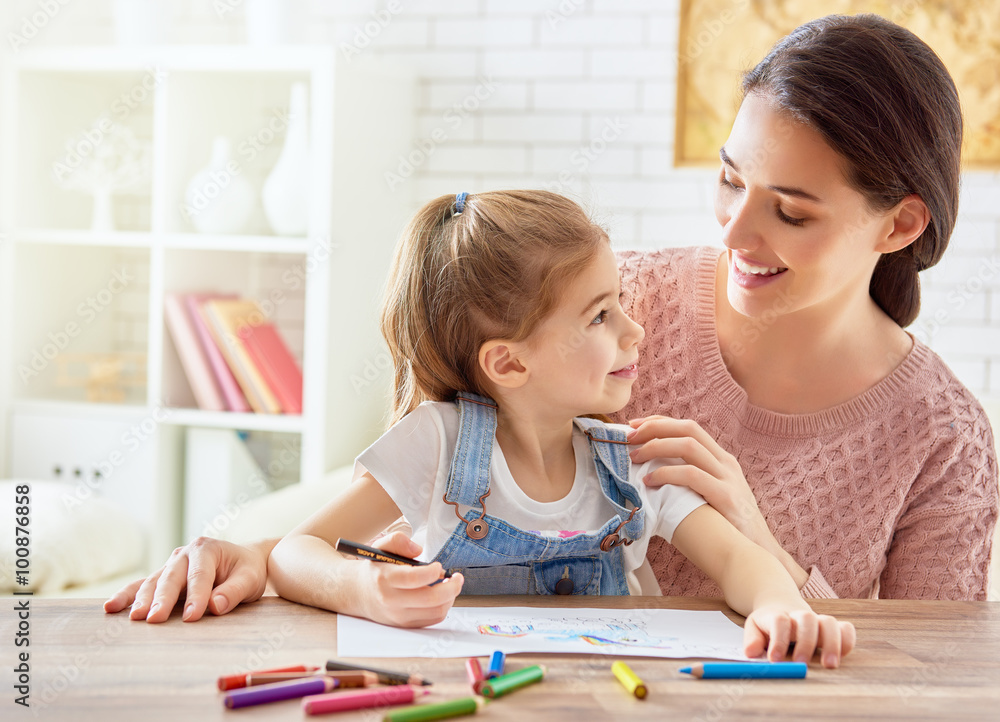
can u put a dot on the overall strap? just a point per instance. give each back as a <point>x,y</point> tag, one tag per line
<point>469,478</point>
<point>610,452</point>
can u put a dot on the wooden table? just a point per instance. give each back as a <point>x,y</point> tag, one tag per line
<point>915,660</point>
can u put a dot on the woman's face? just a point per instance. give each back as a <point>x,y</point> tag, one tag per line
<point>799,237</point>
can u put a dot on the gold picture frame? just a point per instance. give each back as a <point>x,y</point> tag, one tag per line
<point>721,39</point>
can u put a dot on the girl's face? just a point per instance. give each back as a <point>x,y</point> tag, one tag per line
<point>582,357</point>
<point>798,236</point>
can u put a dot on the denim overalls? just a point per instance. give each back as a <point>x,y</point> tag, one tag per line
<point>498,558</point>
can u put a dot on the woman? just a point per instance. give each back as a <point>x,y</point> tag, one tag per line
<point>869,469</point>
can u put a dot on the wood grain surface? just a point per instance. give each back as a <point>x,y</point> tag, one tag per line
<point>914,661</point>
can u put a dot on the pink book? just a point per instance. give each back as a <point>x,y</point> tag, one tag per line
<point>192,355</point>
<point>231,392</point>
<point>276,364</point>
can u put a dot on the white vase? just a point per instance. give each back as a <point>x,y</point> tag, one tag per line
<point>268,22</point>
<point>285,196</point>
<point>219,199</point>
<point>141,22</point>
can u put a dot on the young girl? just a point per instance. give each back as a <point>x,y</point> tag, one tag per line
<point>502,316</point>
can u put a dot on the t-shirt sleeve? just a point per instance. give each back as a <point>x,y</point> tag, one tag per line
<point>406,460</point>
<point>667,505</point>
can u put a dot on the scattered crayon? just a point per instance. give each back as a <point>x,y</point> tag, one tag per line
<point>496,665</point>
<point>629,679</point>
<point>278,691</point>
<point>235,681</point>
<point>475,674</point>
<point>362,699</point>
<point>513,681</point>
<point>384,676</point>
<point>436,711</point>
<point>747,670</point>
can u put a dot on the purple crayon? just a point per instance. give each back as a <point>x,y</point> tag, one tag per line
<point>278,691</point>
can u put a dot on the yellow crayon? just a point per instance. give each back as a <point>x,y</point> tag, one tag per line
<point>629,679</point>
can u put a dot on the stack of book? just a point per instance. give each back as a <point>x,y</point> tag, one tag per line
<point>234,358</point>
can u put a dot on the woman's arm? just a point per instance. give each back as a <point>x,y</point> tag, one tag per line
<point>757,586</point>
<point>712,472</point>
<point>305,567</point>
<point>217,575</point>
<point>941,543</point>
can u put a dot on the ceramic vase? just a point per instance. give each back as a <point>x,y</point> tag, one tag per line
<point>268,22</point>
<point>285,196</point>
<point>218,199</point>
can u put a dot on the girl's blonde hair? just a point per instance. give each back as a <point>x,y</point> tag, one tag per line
<point>493,271</point>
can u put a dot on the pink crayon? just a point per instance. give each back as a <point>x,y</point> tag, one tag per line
<point>362,699</point>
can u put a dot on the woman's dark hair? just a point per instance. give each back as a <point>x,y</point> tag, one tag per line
<point>884,101</point>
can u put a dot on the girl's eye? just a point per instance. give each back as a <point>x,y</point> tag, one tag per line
<point>788,219</point>
<point>600,318</point>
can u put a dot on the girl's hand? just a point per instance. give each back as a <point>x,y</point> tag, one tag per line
<point>708,470</point>
<point>217,575</point>
<point>772,628</point>
<point>401,595</point>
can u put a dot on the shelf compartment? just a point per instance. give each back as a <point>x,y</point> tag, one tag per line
<point>88,302</point>
<point>276,281</point>
<point>58,108</point>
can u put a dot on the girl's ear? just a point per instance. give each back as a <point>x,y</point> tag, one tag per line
<point>501,362</point>
<point>909,219</point>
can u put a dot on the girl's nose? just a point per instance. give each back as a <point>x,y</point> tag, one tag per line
<point>634,333</point>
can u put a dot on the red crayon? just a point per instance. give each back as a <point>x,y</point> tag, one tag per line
<point>234,681</point>
<point>475,673</point>
<point>362,699</point>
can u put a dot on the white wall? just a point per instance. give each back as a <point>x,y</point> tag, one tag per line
<point>547,84</point>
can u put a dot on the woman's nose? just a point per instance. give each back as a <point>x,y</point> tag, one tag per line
<point>740,225</point>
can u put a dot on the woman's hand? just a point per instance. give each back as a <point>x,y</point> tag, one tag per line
<point>405,596</point>
<point>218,575</point>
<point>772,629</point>
<point>708,470</point>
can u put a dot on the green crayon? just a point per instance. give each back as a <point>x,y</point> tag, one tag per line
<point>499,686</point>
<point>440,710</point>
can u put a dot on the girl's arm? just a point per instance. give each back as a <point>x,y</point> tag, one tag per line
<point>757,586</point>
<point>304,567</point>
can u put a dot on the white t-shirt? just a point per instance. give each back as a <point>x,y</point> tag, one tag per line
<point>412,460</point>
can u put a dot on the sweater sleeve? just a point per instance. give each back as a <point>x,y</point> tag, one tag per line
<point>941,545</point>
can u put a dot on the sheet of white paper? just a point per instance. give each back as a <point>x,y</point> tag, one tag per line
<point>479,631</point>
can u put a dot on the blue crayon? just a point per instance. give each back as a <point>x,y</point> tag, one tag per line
<point>496,665</point>
<point>747,670</point>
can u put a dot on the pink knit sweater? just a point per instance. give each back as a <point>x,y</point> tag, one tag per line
<point>892,494</point>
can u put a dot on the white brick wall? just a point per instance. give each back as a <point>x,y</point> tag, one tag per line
<point>563,70</point>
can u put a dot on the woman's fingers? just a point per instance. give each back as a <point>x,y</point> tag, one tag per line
<point>685,448</point>
<point>664,427</point>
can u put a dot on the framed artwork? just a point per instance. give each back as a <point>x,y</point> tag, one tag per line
<point>722,39</point>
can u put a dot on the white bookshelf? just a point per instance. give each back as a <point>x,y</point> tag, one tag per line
<point>327,281</point>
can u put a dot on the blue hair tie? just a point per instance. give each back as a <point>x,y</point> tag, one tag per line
<point>460,203</point>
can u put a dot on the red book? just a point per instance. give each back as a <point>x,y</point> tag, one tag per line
<point>275,363</point>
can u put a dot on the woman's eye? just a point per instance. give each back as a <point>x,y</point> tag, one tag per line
<point>726,183</point>
<point>788,219</point>
<point>600,318</point>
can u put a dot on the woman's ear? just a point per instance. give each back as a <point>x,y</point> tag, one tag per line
<point>909,219</point>
<point>501,362</point>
